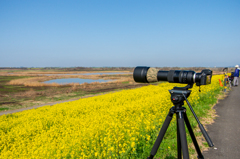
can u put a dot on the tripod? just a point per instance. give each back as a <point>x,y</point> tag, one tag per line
<point>178,95</point>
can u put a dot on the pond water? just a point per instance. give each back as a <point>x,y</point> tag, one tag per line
<point>75,80</point>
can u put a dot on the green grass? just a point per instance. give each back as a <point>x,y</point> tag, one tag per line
<point>8,78</point>
<point>4,88</point>
<point>2,109</point>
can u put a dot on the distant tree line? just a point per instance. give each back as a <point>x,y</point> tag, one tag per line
<point>196,69</point>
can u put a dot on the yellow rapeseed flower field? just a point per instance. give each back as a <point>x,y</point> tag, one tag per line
<point>115,125</point>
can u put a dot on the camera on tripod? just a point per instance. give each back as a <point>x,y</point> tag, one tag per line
<point>178,96</point>
<point>143,74</point>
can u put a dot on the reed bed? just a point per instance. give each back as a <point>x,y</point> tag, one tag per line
<point>38,81</point>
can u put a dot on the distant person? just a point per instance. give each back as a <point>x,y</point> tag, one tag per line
<point>236,76</point>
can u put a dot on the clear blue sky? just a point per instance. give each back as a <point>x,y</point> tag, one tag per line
<point>119,33</point>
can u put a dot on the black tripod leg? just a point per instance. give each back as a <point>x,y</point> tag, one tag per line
<point>200,156</point>
<point>179,149</point>
<point>183,135</point>
<point>161,133</point>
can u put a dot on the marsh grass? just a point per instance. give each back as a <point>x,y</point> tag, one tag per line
<point>38,81</point>
<point>24,91</point>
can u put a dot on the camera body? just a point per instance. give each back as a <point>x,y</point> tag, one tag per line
<point>144,74</point>
<point>204,77</point>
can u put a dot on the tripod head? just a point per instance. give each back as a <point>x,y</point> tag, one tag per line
<point>178,93</point>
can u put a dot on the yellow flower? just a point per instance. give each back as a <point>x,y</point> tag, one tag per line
<point>133,144</point>
<point>97,127</point>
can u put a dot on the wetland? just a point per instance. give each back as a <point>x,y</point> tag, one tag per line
<point>26,87</point>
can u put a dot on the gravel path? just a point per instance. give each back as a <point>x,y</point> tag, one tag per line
<point>225,131</point>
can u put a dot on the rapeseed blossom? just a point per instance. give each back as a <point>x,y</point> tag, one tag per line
<point>115,125</point>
